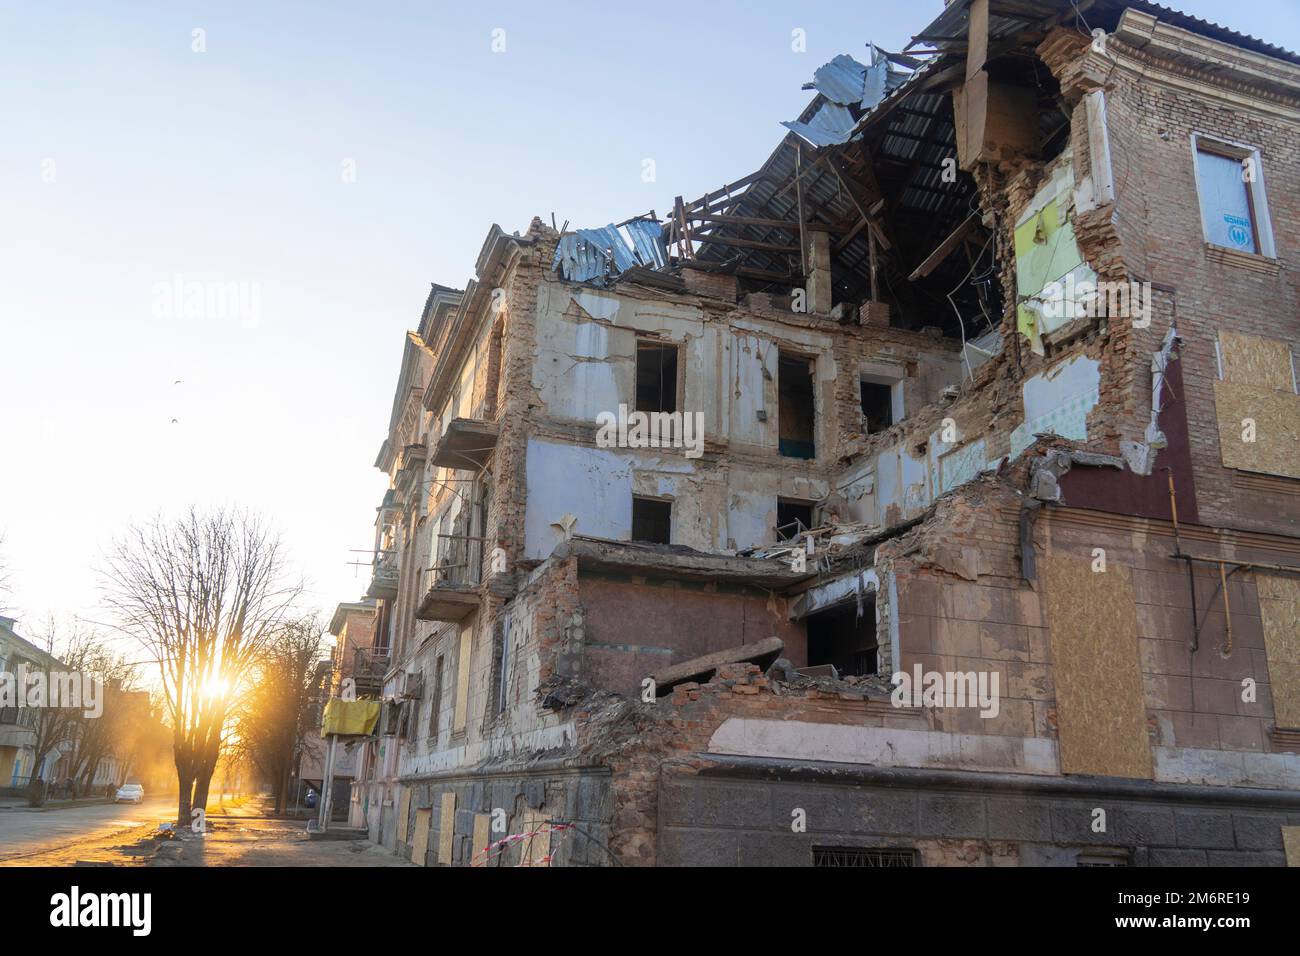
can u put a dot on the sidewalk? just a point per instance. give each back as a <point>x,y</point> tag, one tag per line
<point>20,803</point>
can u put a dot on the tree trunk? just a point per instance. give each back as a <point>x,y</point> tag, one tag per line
<point>203,780</point>
<point>184,799</point>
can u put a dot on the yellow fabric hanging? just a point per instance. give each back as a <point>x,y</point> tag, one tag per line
<point>349,717</point>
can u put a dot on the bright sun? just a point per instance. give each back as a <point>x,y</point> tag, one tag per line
<point>215,686</point>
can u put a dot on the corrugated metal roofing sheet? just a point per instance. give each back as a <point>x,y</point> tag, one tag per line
<point>587,254</point>
<point>830,126</point>
<point>847,88</point>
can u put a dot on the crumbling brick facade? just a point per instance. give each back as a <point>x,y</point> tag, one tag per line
<point>673,654</point>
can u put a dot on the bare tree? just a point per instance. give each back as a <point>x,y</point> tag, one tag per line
<point>107,733</point>
<point>203,594</point>
<point>52,722</point>
<point>282,703</point>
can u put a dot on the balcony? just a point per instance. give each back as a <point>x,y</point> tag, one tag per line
<point>383,576</point>
<point>467,443</point>
<point>368,669</point>
<point>451,585</point>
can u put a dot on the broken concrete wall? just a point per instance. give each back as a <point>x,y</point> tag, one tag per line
<point>635,628</point>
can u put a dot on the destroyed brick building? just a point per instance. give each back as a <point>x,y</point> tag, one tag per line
<point>986,373</point>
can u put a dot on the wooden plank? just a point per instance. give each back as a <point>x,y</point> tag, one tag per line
<point>744,220</point>
<point>945,249</point>
<point>708,663</point>
<point>750,244</point>
<point>420,839</point>
<point>978,33</point>
<point>709,197</point>
<point>872,224</point>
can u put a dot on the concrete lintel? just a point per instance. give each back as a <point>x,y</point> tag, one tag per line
<point>676,561</point>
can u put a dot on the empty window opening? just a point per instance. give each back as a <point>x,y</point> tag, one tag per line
<point>839,637</point>
<point>877,406</point>
<point>656,377</point>
<point>872,856</point>
<point>652,520</point>
<point>797,416</point>
<point>792,517</point>
<point>1230,184</point>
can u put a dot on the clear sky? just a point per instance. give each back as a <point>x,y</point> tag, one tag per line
<point>131,165</point>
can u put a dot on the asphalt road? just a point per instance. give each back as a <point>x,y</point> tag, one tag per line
<point>25,832</point>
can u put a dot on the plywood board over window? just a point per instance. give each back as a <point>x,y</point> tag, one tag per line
<point>446,827</point>
<point>403,811</point>
<point>1101,713</point>
<point>420,839</point>
<point>1279,611</point>
<point>460,713</point>
<point>1256,405</point>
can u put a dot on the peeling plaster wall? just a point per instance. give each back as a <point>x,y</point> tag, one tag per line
<point>592,484</point>
<point>1058,400</point>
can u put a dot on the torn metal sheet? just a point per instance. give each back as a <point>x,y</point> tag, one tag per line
<point>846,86</point>
<point>830,126</point>
<point>589,254</point>
<point>648,242</point>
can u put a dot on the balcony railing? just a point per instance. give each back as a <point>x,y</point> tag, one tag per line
<point>383,576</point>
<point>368,669</point>
<point>450,590</point>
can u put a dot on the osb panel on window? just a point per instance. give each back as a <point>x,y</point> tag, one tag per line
<point>482,837</point>
<point>420,839</point>
<point>446,827</point>
<point>1279,610</point>
<point>1261,363</point>
<point>1276,418</point>
<point>1101,714</point>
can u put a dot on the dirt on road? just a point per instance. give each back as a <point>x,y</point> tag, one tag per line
<point>235,835</point>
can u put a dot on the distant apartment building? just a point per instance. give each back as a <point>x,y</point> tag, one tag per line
<point>17,733</point>
<point>928,496</point>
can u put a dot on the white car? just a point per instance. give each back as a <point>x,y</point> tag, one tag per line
<point>130,793</point>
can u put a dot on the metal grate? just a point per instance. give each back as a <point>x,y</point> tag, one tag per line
<point>863,856</point>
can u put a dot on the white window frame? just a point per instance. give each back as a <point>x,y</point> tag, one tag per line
<point>1258,194</point>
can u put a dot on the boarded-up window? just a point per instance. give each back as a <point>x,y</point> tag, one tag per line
<point>461,712</point>
<point>403,812</point>
<point>1101,711</point>
<point>1279,611</point>
<point>420,839</point>
<point>435,701</point>
<point>1256,405</point>
<point>446,828</point>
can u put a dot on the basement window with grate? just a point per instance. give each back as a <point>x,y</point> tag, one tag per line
<point>870,856</point>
